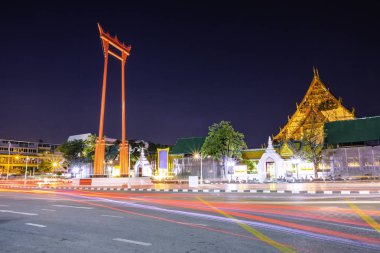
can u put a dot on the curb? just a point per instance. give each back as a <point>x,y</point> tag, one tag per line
<point>367,192</point>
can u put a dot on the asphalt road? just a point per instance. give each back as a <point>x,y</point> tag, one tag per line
<point>88,221</point>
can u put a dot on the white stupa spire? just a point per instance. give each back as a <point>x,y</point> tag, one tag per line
<point>270,145</point>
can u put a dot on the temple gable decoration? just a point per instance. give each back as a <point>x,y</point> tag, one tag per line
<point>286,150</point>
<point>316,108</point>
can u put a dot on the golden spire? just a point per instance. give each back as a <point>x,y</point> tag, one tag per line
<point>316,74</point>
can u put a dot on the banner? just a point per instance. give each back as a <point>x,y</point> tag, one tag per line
<point>163,158</point>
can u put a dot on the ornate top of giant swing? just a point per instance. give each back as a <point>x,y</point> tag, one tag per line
<point>317,107</point>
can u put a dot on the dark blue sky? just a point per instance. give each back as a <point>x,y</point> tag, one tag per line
<point>192,64</point>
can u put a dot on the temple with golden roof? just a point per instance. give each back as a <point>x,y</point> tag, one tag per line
<point>318,106</point>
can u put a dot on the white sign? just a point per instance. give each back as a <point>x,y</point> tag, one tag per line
<point>240,170</point>
<point>193,181</point>
<point>240,173</point>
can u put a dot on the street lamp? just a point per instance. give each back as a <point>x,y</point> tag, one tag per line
<point>55,165</point>
<point>9,157</point>
<point>199,156</point>
<point>26,168</point>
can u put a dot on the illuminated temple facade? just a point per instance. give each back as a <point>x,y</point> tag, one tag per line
<point>318,106</point>
<point>281,160</point>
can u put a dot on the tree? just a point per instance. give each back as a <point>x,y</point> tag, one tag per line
<point>251,166</point>
<point>223,142</point>
<point>46,166</point>
<point>72,151</point>
<point>89,148</point>
<point>112,151</point>
<point>312,140</point>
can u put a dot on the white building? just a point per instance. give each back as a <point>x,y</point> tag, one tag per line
<point>279,163</point>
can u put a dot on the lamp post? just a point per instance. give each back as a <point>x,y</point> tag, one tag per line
<point>199,156</point>
<point>201,170</point>
<point>9,157</point>
<point>26,169</point>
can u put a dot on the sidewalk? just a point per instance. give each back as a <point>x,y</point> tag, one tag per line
<point>290,188</point>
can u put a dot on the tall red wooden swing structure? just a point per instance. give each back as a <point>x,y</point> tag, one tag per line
<point>123,53</point>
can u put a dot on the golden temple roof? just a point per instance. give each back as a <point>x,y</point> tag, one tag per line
<point>316,108</point>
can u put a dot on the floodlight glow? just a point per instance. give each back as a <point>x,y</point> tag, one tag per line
<point>75,170</point>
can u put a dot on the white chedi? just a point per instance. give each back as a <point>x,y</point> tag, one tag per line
<point>142,167</point>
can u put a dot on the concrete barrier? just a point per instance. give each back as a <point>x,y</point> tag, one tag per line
<point>115,182</point>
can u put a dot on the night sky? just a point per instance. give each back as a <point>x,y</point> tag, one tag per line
<point>191,64</point>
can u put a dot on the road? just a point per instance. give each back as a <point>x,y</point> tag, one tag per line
<point>34,220</point>
<point>372,186</point>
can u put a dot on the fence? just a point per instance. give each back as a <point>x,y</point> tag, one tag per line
<point>352,161</point>
<point>188,166</point>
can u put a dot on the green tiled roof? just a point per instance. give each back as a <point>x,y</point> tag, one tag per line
<point>351,131</point>
<point>252,153</point>
<point>188,145</point>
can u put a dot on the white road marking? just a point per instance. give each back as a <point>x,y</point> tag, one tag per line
<point>197,224</point>
<point>50,210</point>
<point>112,216</point>
<point>11,211</point>
<point>3,205</point>
<point>79,207</point>
<point>133,242</point>
<point>35,225</point>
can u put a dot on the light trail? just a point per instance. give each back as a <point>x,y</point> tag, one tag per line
<point>273,221</point>
<point>253,209</point>
<point>365,217</point>
<point>288,205</point>
<point>281,247</point>
<point>329,235</point>
<point>257,221</point>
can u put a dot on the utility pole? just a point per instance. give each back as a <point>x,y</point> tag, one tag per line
<point>201,170</point>
<point>26,169</point>
<point>9,157</point>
